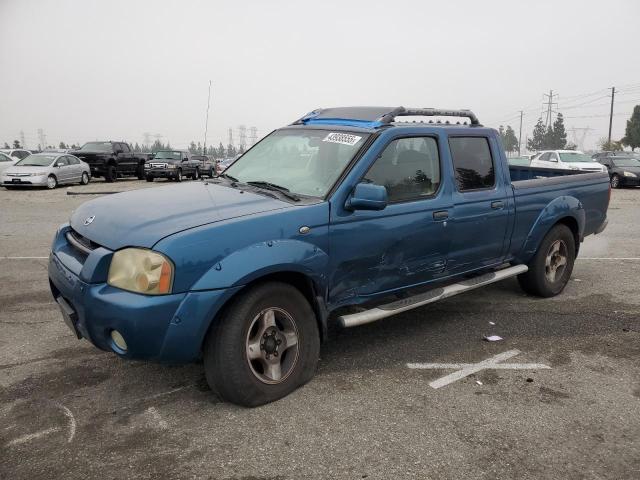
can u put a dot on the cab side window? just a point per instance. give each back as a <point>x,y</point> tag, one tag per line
<point>545,157</point>
<point>124,147</point>
<point>472,163</point>
<point>409,168</point>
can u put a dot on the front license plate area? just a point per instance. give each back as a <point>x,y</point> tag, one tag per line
<point>69,315</point>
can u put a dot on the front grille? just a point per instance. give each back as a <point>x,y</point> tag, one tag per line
<point>158,165</point>
<point>80,243</point>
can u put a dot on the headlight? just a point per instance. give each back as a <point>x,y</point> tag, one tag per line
<point>146,165</point>
<point>172,166</point>
<point>141,271</point>
<point>629,174</point>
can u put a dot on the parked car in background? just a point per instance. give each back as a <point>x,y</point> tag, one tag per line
<point>248,270</point>
<point>522,161</point>
<point>223,164</point>
<point>112,160</point>
<point>208,165</point>
<point>17,153</point>
<point>567,160</point>
<point>46,170</point>
<point>173,165</point>
<point>6,161</point>
<point>623,171</point>
<point>608,154</point>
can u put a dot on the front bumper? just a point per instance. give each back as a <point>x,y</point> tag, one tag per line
<point>160,172</point>
<point>165,328</point>
<point>38,181</point>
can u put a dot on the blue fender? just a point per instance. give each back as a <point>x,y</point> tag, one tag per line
<point>260,259</point>
<point>559,208</point>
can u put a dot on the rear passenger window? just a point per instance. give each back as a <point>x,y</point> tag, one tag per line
<point>409,168</point>
<point>472,163</point>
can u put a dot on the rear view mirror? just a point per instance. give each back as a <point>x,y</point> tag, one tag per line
<point>367,196</point>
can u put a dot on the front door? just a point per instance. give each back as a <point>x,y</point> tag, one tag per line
<point>482,202</point>
<point>374,252</point>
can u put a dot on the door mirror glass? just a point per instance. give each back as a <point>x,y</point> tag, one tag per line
<point>367,196</point>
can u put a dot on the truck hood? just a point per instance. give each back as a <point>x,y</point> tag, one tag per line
<point>143,217</point>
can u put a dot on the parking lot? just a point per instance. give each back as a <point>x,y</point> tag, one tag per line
<point>564,404</point>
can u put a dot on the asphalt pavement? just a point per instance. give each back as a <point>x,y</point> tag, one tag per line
<point>558,397</point>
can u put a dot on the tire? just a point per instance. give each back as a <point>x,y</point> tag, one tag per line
<point>615,181</point>
<point>110,174</point>
<point>149,178</point>
<point>228,368</point>
<point>52,182</point>
<point>85,179</point>
<point>140,172</point>
<point>211,173</point>
<point>196,174</point>
<point>178,177</point>
<point>547,277</point>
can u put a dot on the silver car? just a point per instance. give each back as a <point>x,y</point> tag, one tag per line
<point>46,170</point>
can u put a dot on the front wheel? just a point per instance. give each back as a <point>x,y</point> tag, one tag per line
<point>615,181</point>
<point>263,347</point>
<point>52,182</point>
<point>551,267</point>
<point>178,177</point>
<point>85,178</point>
<point>110,174</point>
<point>140,172</point>
<point>149,178</point>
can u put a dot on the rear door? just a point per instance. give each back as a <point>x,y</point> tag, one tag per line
<point>75,168</point>
<point>481,204</point>
<point>126,158</point>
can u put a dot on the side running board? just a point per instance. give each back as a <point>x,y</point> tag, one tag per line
<point>402,305</point>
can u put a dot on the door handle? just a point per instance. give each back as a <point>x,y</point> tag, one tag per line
<point>497,205</point>
<point>440,215</point>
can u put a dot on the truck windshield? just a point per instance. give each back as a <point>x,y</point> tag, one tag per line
<point>103,147</point>
<point>167,156</point>
<point>306,162</point>
<point>572,157</point>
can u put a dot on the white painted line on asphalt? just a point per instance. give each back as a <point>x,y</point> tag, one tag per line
<point>72,421</point>
<point>466,369</point>
<point>608,258</point>
<point>32,436</point>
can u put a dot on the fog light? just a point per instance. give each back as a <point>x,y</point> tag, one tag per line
<point>118,340</point>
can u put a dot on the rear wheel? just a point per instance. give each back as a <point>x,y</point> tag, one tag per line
<point>263,347</point>
<point>551,267</point>
<point>615,181</point>
<point>140,172</point>
<point>110,174</point>
<point>85,178</point>
<point>149,178</point>
<point>52,182</point>
<point>196,174</point>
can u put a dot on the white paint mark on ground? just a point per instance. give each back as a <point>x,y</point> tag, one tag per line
<point>23,258</point>
<point>466,369</point>
<point>72,421</point>
<point>608,258</point>
<point>155,415</point>
<point>32,436</point>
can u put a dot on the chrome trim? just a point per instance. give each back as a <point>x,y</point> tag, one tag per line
<point>76,244</point>
<point>383,311</point>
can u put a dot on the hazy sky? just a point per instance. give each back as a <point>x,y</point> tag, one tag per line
<point>84,70</point>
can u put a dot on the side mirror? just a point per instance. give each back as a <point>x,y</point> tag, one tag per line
<point>367,196</point>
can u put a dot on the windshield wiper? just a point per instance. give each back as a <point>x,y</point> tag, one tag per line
<point>229,177</point>
<point>272,186</point>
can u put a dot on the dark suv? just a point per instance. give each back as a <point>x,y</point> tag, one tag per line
<point>172,164</point>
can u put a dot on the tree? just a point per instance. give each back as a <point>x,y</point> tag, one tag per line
<point>632,132</point>
<point>157,146</point>
<point>6,145</point>
<point>571,146</point>
<point>610,146</point>
<point>62,145</point>
<point>193,148</point>
<point>199,148</point>
<point>501,133</point>
<point>538,139</point>
<point>510,141</point>
<point>231,151</point>
<point>241,150</point>
<point>221,151</point>
<point>16,144</point>
<point>557,136</point>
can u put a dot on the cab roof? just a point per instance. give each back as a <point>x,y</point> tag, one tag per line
<point>377,117</point>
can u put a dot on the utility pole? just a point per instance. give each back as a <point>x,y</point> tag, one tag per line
<point>22,143</point>
<point>520,135</point>
<point>206,124</point>
<point>550,103</point>
<point>613,94</point>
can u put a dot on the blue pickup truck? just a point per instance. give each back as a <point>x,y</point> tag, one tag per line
<point>346,216</point>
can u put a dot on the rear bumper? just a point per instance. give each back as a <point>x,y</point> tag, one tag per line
<point>165,328</point>
<point>602,226</point>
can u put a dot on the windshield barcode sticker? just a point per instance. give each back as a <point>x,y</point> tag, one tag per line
<point>342,138</point>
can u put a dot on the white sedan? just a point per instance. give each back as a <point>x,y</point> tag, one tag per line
<point>46,170</point>
<point>567,160</point>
